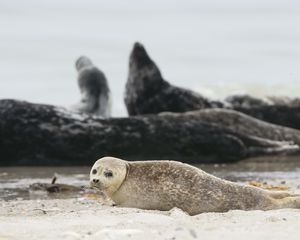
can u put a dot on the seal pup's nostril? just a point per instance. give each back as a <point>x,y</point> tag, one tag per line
<point>95,180</point>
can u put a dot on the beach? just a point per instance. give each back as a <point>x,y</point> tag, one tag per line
<point>83,218</point>
<point>29,215</point>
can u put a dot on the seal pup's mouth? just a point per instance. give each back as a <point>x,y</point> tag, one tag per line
<point>97,185</point>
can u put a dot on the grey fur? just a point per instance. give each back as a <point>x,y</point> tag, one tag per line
<point>163,185</point>
<point>94,89</point>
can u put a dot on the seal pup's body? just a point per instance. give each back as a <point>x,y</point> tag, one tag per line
<point>163,185</point>
<point>95,92</point>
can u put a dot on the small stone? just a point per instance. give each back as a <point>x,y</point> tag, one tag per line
<point>193,233</point>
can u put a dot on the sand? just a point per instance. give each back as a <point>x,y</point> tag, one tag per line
<point>83,218</point>
<point>86,218</point>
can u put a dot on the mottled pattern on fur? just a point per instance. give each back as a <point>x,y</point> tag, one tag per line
<point>163,185</point>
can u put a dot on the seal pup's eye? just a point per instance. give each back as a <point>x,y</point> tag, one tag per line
<point>108,174</point>
<point>94,171</point>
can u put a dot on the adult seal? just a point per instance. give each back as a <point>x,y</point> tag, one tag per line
<point>163,185</point>
<point>94,89</point>
<point>148,93</point>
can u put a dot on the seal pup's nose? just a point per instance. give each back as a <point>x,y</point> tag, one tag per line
<point>95,180</point>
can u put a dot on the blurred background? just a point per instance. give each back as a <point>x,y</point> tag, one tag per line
<point>215,47</point>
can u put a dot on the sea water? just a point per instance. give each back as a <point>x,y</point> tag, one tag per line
<point>215,47</point>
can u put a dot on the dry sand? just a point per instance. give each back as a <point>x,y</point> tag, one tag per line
<point>83,218</point>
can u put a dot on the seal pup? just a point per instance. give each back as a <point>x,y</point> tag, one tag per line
<point>148,93</point>
<point>95,92</point>
<point>163,185</point>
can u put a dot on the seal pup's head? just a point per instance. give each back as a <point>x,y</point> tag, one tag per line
<point>108,174</point>
<point>83,62</point>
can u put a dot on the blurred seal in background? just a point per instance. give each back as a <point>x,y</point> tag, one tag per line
<point>147,92</point>
<point>94,89</point>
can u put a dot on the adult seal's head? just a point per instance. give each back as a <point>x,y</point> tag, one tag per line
<point>147,92</point>
<point>163,185</point>
<point>94,89</point>
<point>143,72</point>
<point>83,62</point>
<point>144,81</point>
<point>140,57</point>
